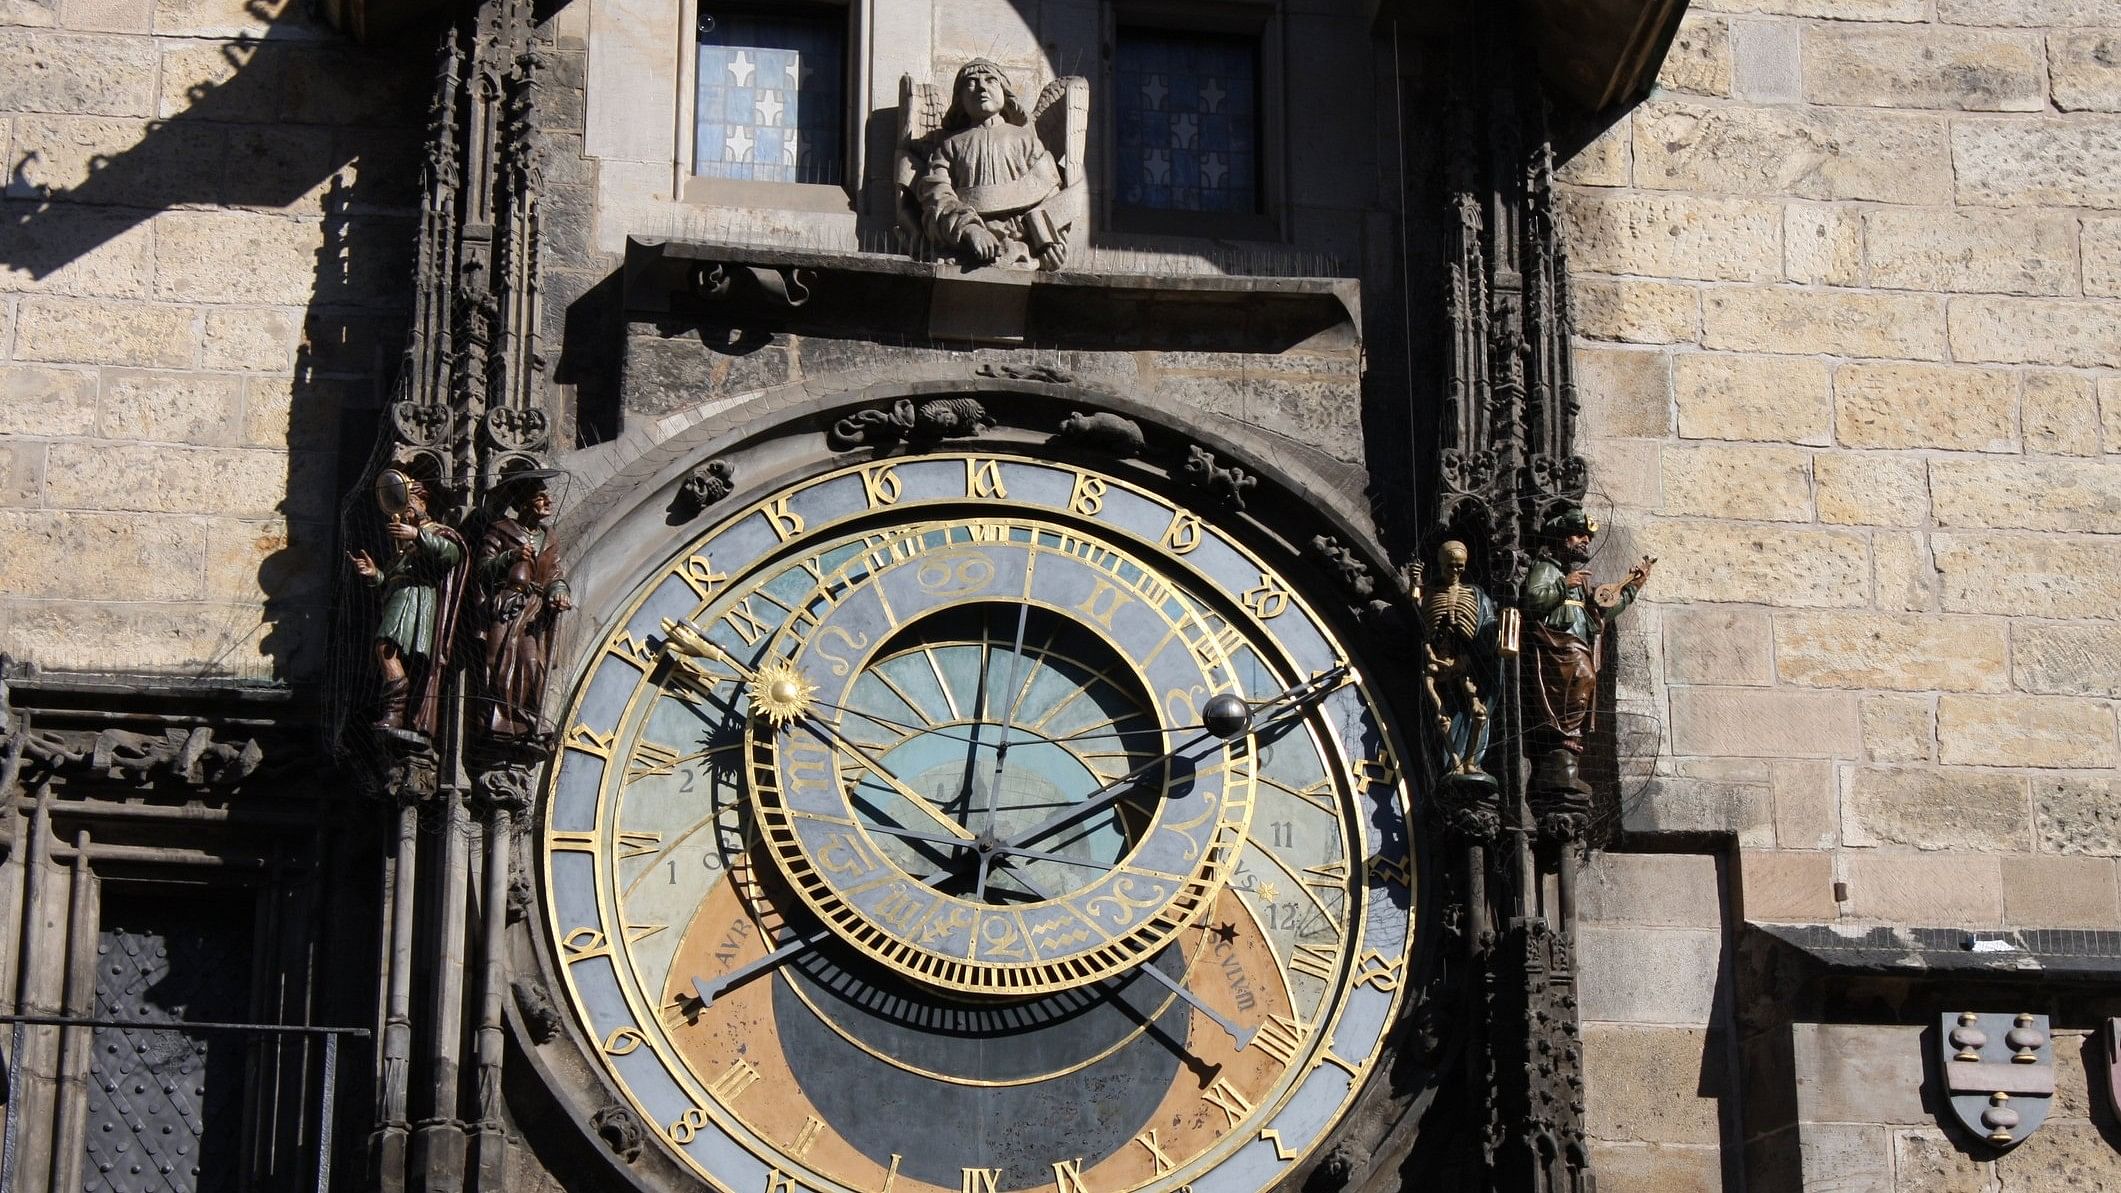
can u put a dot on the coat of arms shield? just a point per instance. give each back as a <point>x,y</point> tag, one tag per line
<point>1998,1072</point>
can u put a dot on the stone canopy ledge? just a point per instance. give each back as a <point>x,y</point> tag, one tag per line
<point>2044,955</point>
<point>876,294</point>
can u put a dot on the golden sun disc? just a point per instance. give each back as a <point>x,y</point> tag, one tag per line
<point>780,693</point>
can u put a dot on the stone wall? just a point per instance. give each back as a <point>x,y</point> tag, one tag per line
<point>1850,332</point>
<point>203,245</point>
<point>1847,337</point>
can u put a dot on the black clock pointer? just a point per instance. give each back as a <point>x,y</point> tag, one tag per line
<point>711,990</point>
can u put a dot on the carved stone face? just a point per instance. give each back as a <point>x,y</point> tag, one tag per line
<point>982,92</point>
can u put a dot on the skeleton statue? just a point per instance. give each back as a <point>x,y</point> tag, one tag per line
<point>1460,631</point>
<point>981,181</point>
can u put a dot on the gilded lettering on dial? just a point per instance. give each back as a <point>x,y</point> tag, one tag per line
<point>698,571</point>
<point>1282,1038</point>
<point>981,1180</point>
<point>1088,497</point>
<point>688,1126</point>
<point>623,1041</point>
<point>1229,1099</point>
<point>805,1137</point>
<point>1068,1176</point>
<point>1315,959</point>
<point>1184,535</point>
<point>1268,599</point>
<point>983,478</point>
<point>1104,601</point>
<point>734,1080</point>
<point>1156,1151</point>
<point>785,521</point>
<point>746,622</point>
<point>881,485</point>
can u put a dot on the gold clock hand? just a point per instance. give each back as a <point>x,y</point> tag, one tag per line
<point>1001,755</point>
<point>686,640</point>
<point>711,990</point>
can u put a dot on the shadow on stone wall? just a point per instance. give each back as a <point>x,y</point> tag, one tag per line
<point>289,169</point>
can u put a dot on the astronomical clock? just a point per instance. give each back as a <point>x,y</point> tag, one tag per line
<point>977,817</point>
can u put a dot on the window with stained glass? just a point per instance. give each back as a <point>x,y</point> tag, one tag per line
<point>771,105</point>
<point>1187,107</point>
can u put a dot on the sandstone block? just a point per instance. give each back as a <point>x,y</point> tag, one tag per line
<point>71,555</point>
<point>294,415</point>
<point>237,18</point>
<point>1833,10</point>
<point>1685,804</point>
<point>1871,489</point>
<point>193,250</point>
<point>2066,658</point>
<point>1768,67</point>
<point>77,73</point>
<point>252,339</point>
<point>2078,814</point>
<point>1768,484</point>
<point>1822,245</point>
<point>98,331</point>
<point>1661,890</point>
<point>1805,153</point>
<point>1807,795</point>
<point>1606,161</point>
<point>2027,575</point>
<point>2030,13</point>
<point>1781,399</point>
<point>1895,651</point>
<point>1764,723</point>
<point>1637,312</point>
<point>1960,890</point>
<point>186,480</point>
<point>2066,1156</point>
<point>1625,472</point>
<point>1717,644</point>
<point>1626,393</point>
<point>1920,405</point>
<point>1991,251</point>
<point>1657,1168</point>
<point>1906,572</point>
<point>2085,65</point>
<point>1648,975</point>
<point>1700,58</point>
<point>2027,494</point>
<point>1705,561</point>
<point>110,16</point>
<point>1845,1157</point>
<point>1930,1162</point>
<point>2052,163</point>
<point>1927,808</point>
<point>30,14</point>
<point>1924,66</point>
<point>2100,245</point>
<point>1898,729</point>
<point>76,249</point>
<point>268,560</point>
<point>1859,1073</point>
<point>1835,322</point>
<point>1652,1084</point>
<point>1674,236</point>
<point>2060,892</point>
<point>1782,887</point>
<point>192,638</point>
<point>196,408</point>
<point>39,401</point>
<point>2110,412</point>
<point>21,474</point>
<point>2059,414</point>
<point>2045,731</point>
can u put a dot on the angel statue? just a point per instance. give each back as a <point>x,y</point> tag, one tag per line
<point>983,183</point>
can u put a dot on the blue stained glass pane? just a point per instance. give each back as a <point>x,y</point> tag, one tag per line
<point>1185,119</point>
<point>771,104</point>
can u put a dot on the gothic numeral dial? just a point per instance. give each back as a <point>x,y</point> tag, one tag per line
<point>985,824</point>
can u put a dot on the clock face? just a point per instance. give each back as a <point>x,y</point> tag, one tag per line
<point>978,823</point>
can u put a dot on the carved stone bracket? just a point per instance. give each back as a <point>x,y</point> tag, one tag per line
<point>541,1018</point>
<point>706,485</point>
<point>1114,435</point>
<point>904,420</point>
<point>1346,564</point>
<point>189,756</point>
<point>621,1132</point>
<point>1225,484</point>
<point>787,287</point>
